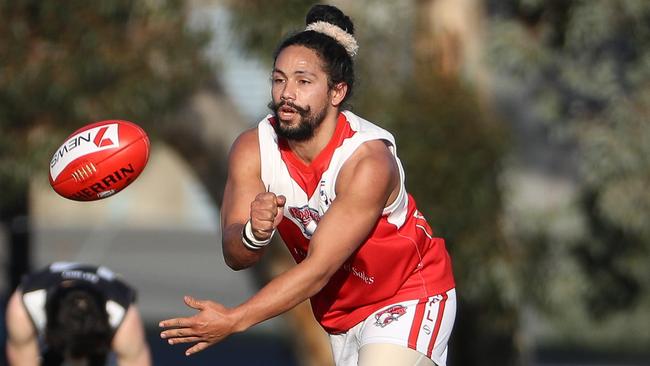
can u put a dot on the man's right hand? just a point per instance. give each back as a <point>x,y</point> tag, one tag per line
<point>266,214</point>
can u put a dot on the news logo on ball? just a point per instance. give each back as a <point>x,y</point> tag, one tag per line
<point>99,160</point>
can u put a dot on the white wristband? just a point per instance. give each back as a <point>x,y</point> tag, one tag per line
<point>249,239</point>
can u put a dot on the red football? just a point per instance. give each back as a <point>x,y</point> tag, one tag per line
<point>99,160</point>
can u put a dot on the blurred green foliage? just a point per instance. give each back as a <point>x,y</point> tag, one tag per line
<point>65,64</point>
<point>453,151</point>
<point>584,66</point>
<point>272,20</point>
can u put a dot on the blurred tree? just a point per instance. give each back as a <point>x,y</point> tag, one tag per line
<point>260,25</point>
<point>583,68</point>
<point>452,153</point>
<point>65,64</point>
<point>452,147</point>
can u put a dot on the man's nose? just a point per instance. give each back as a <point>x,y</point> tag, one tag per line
<point>288,93</point>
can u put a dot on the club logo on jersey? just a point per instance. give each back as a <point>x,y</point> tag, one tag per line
<point>389,315</point>
<point>325,201</point>
<point>307,217</point>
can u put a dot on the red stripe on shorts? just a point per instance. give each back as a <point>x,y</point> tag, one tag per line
<point>417,322</point>
<point>436,329</point>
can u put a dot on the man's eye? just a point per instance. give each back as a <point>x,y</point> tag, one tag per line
<point>304,82</point>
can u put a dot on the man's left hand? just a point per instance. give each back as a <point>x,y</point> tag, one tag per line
<point>210,325</point>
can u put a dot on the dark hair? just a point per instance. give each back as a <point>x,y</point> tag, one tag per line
<point>337,63</point>
<point>77,324</point>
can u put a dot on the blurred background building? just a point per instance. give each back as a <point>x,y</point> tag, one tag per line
<point>522,125</point>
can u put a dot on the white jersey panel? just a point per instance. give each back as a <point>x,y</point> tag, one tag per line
<point>275,173</point>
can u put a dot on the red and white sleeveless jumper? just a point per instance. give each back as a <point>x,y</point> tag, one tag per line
<point>400,260</point>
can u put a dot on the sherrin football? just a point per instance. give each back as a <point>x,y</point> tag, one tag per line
<point>99,160</point>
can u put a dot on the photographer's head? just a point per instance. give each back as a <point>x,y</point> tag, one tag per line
<point>77,323</point>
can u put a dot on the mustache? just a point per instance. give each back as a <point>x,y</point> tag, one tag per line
<point>276,106</point>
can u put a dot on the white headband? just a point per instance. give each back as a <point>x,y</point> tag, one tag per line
<point>344,38</point>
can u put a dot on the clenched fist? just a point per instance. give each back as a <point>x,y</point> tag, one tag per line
<point>266,214</point>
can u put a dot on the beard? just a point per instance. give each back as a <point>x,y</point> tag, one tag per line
<point>306,127</point>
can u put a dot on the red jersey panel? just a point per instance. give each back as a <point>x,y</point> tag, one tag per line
<point>400,260</point>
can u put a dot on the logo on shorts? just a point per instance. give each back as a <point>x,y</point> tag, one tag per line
<point>387,316</point>
<point>435,299</point>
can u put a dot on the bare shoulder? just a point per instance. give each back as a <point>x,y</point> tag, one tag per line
<point>22,338</point>
<point>372,165</point>
<point>16,308</point>
<point>19,325</point>
<point>15,301</point>
<point>130,330</point>
<point>372,155</point>
<point>129,342</point>
<point>244,154</point>
<point>246,141</point>
<point>374,149</point>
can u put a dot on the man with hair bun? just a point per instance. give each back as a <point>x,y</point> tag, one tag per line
<point>331,184</point>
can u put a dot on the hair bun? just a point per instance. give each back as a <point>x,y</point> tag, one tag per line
<point>329,14</point>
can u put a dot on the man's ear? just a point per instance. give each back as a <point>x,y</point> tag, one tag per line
<point>338,93</point>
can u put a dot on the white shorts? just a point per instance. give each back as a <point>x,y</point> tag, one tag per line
<point>422,325</point>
